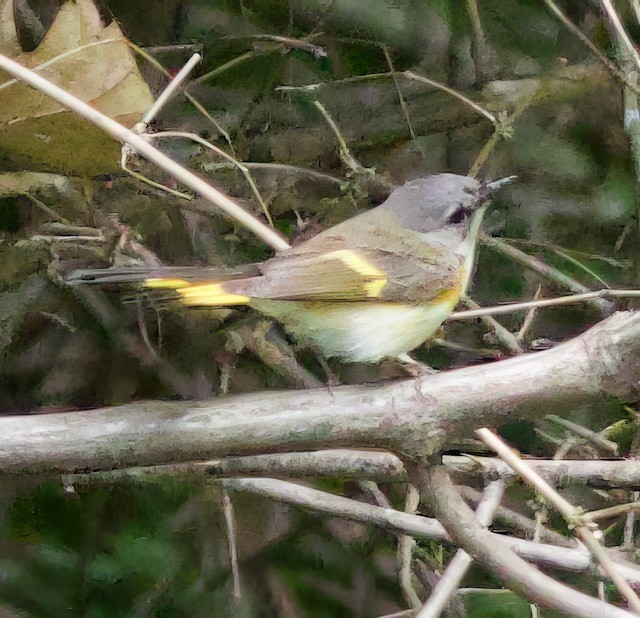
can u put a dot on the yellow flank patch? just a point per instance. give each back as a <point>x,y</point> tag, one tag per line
<point>377,278</point>
<point>165,284</point>
<point>210,295</point>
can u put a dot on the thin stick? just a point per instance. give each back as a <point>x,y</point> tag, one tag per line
<point>124,153</point>
<point>42,206</point>
<point>571,514</point>
<point>635,5</point>
<point>172,87</point>
<point>124,135</point>
<point>397,521</point>
<point>238,164</point>
<point>610,66</point>
<point>345,154</point>
<point>542,268</point>
<point>230,522</point>
<point>628,541</point>
<point>479,42</point>
<point>454,93</point>
<point>630,509</point>
<point>304,45</point>
<point>591,436</point>
<point>404,553</point>
<point>623,37</point>
<point>292,168</point>
<point>403,103</point>
<point>527,323</point>
<point>544,302</point>
<point>566,446</point>
<point>373,488</point>
<point>505,337</point>
<point>154,62</point>
<point>460,563</point>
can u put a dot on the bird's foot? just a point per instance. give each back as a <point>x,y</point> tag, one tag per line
<point>413,367</point>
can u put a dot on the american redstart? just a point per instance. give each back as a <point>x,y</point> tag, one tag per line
<point>377,285</point>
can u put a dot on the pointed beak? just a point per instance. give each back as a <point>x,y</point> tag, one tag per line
<point>498,184</point>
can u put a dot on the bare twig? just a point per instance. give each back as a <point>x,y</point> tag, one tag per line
<point>42,206</point>
<point>609,474</point>
<point>543,269</point>
<point>479,42</point>
<point>529,317</point>
<point>628,541</point>
<point>610,66</point>
<point>344,463</point>
<point>621,33</point>
<point>494,554</point>
<point>420,527</point>
<point>230,522</point>
<point>404,552</point>
<point>571,514</point>
<point>504,337</point>
<point>630,508</point>
<point>223,68</point>
<point>345,154</point>
<point>544,302</point>
<point>418,415</point>
<point>124,135</point>
<point>566,446</point>
<point>403,103</point>
<point>591,436</point>
<point>304,45</point>
<point>373,489</point>
<point>172,87</point>
<point>146,54</point>
<point>238,164</point>
<point>512,520</point>
<point>59,57</point>
<point>263,340</point>
<point>446,587</point>
<point>546,437</point>
<point>147,181</point>
<point>279,167</point>
<point>454,93</point>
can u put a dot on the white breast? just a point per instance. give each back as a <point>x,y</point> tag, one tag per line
<point>359,331</point>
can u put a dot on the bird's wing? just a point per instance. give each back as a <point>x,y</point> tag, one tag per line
<point>377,263</point>
<point>341,274</point>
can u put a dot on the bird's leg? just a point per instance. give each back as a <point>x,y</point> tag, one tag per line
<point>413,367</point>
<point>330,376</point>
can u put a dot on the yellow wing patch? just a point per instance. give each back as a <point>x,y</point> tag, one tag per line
<point>376,279</point>
<point>341,275</point>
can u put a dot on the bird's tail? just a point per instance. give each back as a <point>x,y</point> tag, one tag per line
<point>140,274</point>
<point>190,285</point>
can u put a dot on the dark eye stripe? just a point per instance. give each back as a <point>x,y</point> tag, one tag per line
<point>459,215</point>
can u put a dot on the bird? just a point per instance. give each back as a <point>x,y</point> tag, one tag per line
<point>376,286</point>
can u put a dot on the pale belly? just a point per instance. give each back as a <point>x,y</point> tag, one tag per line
<point>358,331</point>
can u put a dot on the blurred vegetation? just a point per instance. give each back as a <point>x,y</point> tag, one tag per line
<point>160,550</point>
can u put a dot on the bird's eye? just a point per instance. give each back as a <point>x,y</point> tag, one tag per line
<point>459,215</point>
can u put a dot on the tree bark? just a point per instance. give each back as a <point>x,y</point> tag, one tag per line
<point>412,417</point>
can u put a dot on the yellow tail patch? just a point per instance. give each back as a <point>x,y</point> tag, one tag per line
<point>166,284</point>
<point>198,294</point>
<point>210,295</point>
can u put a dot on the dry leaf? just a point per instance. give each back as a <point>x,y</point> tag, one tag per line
<point>36,132</point>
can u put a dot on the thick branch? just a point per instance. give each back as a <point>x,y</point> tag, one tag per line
<point>413,416</point>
